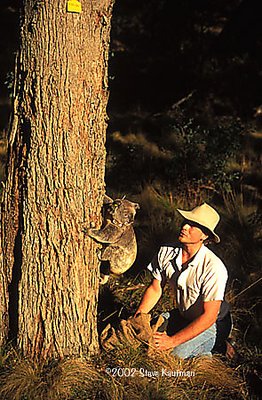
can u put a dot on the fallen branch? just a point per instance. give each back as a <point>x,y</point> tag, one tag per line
<point>181,101</point>
<point>125,289</point>
<point>247,288</point>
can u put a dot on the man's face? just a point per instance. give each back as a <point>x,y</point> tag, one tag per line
<point>191,233</point>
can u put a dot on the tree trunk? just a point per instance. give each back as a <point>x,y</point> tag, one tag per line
<point>55,184</point>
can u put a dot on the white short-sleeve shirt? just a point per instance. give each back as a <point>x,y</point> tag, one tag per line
<point>204,279</point>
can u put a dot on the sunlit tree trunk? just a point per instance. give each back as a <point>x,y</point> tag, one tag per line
<point>55,184</point>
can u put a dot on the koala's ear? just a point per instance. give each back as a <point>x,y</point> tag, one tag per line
<point>107,199</point>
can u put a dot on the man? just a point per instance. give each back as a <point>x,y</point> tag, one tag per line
<point>198,278</point>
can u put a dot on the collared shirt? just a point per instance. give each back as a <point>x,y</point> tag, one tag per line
<point>204,279</point>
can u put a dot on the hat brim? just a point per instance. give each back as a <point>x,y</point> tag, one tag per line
<point>188,215</point>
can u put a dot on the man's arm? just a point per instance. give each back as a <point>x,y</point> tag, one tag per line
<point>199,325</point>
<point>150,298</point>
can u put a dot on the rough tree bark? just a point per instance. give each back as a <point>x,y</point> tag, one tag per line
<point>49,269</point>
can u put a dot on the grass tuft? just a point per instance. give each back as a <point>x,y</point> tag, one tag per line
<point>121,374</point>
<point>21,382</point>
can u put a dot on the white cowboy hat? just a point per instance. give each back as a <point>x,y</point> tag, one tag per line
<point>205,216</point>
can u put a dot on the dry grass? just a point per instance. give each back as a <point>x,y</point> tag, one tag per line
<point>21,381</point>
<point>24,380</point>
<point>241,235</point>
<point>158,220</point>
<point>165,377</point>
<point>150,148</point>
<point>121,374</point>
<point>68,375</point>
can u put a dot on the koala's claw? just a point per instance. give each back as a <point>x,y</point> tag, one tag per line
<point>88,230</point>
<point>103,279</point>
<point>99,253</point>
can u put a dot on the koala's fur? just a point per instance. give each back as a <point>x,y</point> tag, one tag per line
<point>117,235</point>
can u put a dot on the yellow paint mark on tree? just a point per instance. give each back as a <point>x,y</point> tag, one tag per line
<point>74,6</point>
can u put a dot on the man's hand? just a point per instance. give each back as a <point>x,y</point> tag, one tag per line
<point>163,341</point>
<point>199,325</point>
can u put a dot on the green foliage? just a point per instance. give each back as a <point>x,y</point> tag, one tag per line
<point>201,156</point>
<point>175,151</point>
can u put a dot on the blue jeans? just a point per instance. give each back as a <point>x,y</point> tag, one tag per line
<point>200,345</point>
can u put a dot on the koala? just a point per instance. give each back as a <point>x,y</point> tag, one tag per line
<point>119,247</point>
